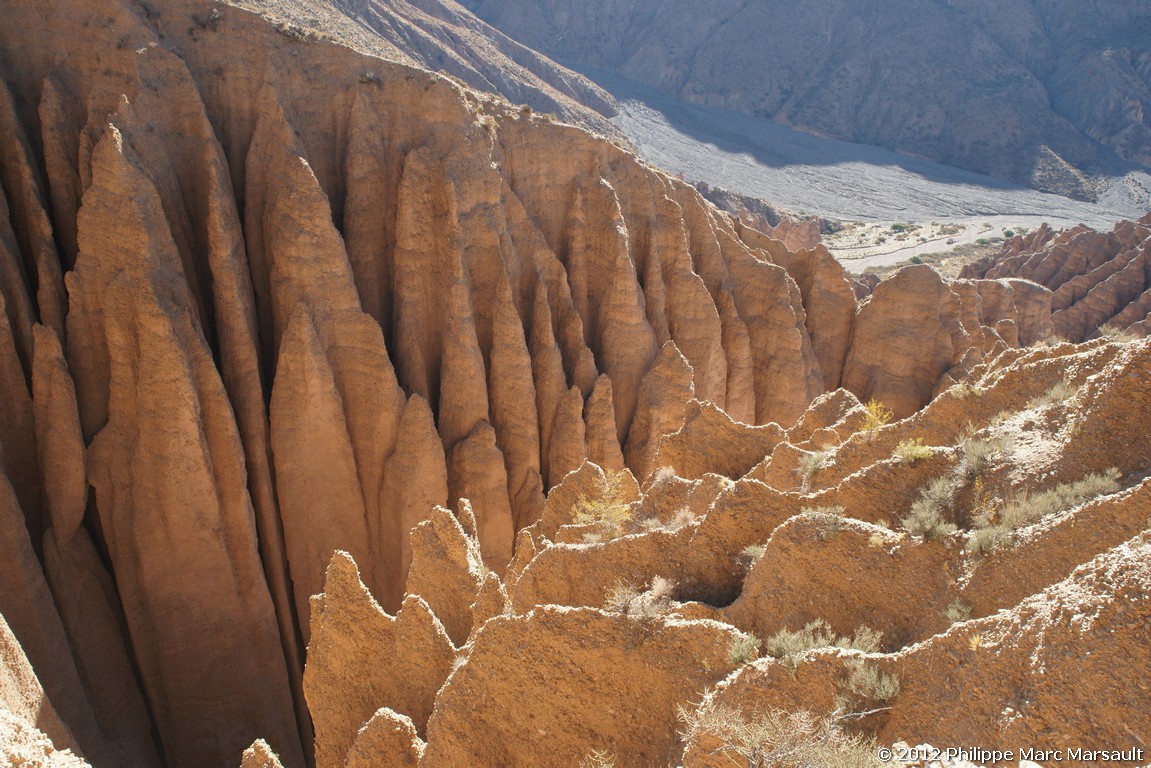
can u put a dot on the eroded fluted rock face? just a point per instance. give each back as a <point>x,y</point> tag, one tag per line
<point>1098,279</point>
<point>179,523</point>
<point>264,299</point>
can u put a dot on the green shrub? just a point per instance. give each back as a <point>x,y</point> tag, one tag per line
<point>744,649</point>
<point>956,611</point>
<point>869,684</point>
<point>1057,394</point>
<point>749,554</point>
<point>975,454</point>
<point>810,463</point>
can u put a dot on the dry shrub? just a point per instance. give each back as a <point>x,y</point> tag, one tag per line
<point>790,646</point>
<point>778,739</point>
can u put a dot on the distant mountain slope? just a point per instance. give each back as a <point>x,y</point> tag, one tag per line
<point>441,35</point>
<point>1048,93</point>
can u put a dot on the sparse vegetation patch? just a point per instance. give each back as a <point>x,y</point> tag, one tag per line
<point>829,520</point>
<point>957,611</point>
<point>976,453</point>
<point>810,463</point>
<point>877,415</point>
<point>869,684</point>
<point>744,649</point>
<point>627,598</point>
<point>1117,334</point>
<point>611,511</point>
<point>994,526</point>
<point>1057,394</point>
<point>789,646</point>
<point>598,759</point>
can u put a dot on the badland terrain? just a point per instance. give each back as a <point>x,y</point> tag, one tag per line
<point>354,413</point>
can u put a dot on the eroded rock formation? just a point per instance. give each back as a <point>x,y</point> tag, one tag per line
<point>266,299</point>
<point>1099,280</point>
<point>691,561</point>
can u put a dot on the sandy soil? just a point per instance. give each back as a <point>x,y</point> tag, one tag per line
<point>866,188</point>
<point>868,245</point>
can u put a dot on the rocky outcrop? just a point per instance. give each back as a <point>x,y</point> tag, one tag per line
<point>387,736</point>
<point>617,693</point>
<point>1099,280</point>
<point>710,441</point>
<point>344,680</point>
<point>25,708</point>
<point>447,570</point>
<point>260,755</point>
<point>917,334</point>
<point>24,744</point>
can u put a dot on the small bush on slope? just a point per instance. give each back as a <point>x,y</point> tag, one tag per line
<point>912,451</point>
<point>744,649</point>
<point>926,517</point>
<point>778,739</point>
<point>810,463</point>
<point>629,600</point>
<point>1057,394</point>
<point>790,646</point>
<point>877,415</point>
<point>611,511</point>
<point>829,520</point>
